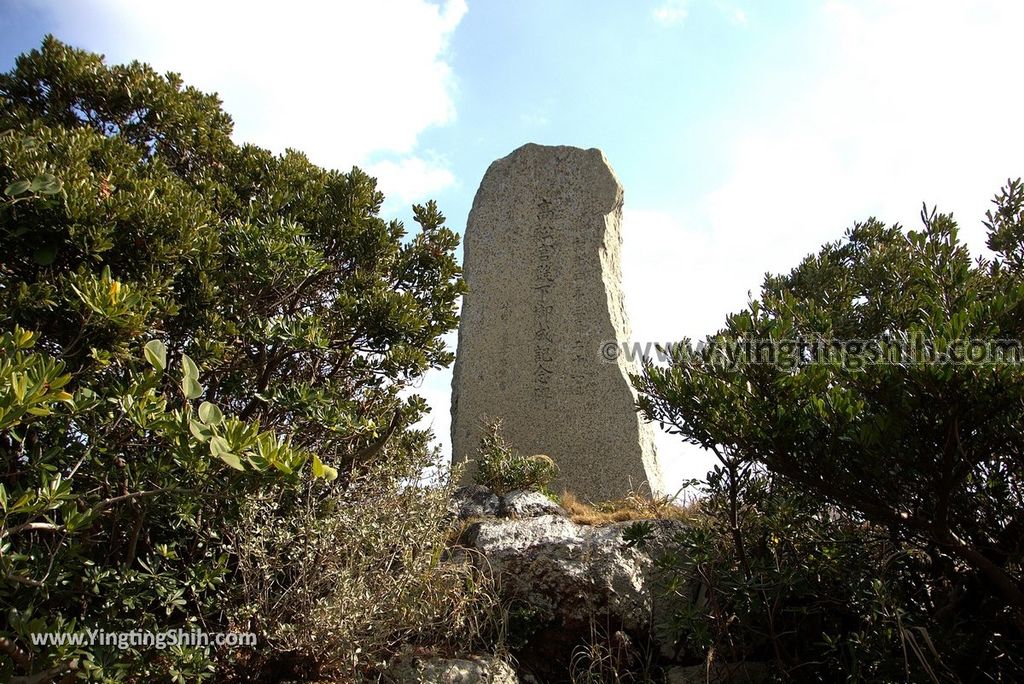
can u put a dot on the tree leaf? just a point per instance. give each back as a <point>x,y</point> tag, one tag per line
<point>325,471</point>
<point>17,188</point>
<point>210,414</point>
<point>188,366</point>
<point>190,388</point>
<point>231,459</point>
<point>43,182</point>
<point>19,383</point>
<point>219,445</point>
<point>156,354</point>
<point>201,432</point>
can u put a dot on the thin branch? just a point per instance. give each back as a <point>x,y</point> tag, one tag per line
<point>107,503</point>
<point>31,527</point>
<point>24,580</point>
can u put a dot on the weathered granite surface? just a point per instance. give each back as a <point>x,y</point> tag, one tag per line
<point>474,501</point>
<point>475,669</point>
<point>543,268</point>
<point>477,501</point>
<point>528,504</point>
<point>564,578</point>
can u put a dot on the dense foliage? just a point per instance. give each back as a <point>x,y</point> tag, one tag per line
<point>502,469</point>
<point>817,594</point>
<point>923,452</point>
<point>188,324</point>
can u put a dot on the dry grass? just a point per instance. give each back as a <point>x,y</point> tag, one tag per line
<point>334,580</point>
<point>633,506</point>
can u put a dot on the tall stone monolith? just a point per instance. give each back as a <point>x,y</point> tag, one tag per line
<point>545,293</point>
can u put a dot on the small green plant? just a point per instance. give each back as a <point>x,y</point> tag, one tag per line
<point>519,622</point>
<point>638,533</point>
<point>502,470</point>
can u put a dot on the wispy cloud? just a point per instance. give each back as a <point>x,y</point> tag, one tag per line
<point>671,12</point>
<point>534,119</point>
<point>675,12</point>
<point>732,11</point>
<point>911,105</point>
<point>410,179</point>
<point>342,82</point>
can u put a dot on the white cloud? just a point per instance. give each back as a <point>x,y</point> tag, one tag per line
<point>670,12</point>
<point>534,119</point>
<point>340,81</point>
<point>732,12</point>
<point>679,281</point>
<point>410,179</point>
<point>675,12</point>
<point>914,106</point>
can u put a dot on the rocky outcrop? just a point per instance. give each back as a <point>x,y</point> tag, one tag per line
<point>567,587</point>
<point>477,501</point>
<point>528,504</point>
<point>474,501</point>
<point>566,571</point>
<point>477,669</point>
<point>566,583</point>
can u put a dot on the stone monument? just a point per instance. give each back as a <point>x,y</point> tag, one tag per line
<point>543,269</point>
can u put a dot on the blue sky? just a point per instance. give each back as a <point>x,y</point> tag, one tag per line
<point>746,133</point>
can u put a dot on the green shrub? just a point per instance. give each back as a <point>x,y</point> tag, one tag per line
<point>926,452</point>
<point>186,324</point>
<point>502,470</point>
<point>820,596</point>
